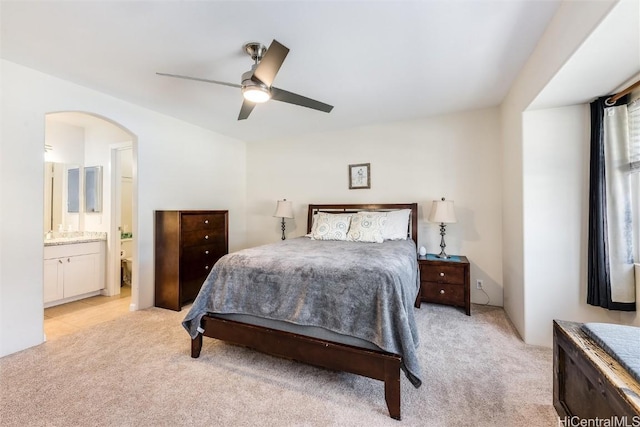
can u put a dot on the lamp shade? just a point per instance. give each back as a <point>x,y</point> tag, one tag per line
<point>442,211</point>
<point>284,209</point>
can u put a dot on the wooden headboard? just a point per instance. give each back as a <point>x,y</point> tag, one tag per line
<point>352,208</point>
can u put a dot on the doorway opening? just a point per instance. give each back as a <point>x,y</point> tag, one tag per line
<point>90,191</point>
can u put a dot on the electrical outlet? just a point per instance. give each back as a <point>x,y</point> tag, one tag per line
<point>479,284</point>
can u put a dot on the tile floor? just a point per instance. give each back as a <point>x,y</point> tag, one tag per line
<point>75,316</point>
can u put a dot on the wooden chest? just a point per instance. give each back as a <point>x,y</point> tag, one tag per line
<point>187,245</point>
<point>588,383</point>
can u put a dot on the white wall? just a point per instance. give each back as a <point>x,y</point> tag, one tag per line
<point>456,156</point>
<point>67,149</point>
<point>99,136</point>
<point>179,166</point>
<point>568,29</point>
<point>545,172</point>
<point>67,142</point>
<point>556,177</point>
<point>512,215</point>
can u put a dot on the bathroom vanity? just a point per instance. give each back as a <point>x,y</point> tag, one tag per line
<point>74,268</point>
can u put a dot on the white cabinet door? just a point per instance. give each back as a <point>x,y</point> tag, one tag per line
<point>80,274</point>
<point>53,280</point>
<point>73,270</point>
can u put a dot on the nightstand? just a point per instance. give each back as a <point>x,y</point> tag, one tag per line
<point>445,281</point>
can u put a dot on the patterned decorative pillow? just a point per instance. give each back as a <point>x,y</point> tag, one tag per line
<point>331,226</point>
<point>366,227</point>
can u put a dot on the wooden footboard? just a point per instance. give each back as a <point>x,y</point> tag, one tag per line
<point>587,382</point>
<point>372,364</point>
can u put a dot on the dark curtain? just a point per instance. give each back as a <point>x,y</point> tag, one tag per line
<point>598,279</point>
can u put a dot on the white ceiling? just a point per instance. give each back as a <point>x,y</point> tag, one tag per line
<point>375,61</point>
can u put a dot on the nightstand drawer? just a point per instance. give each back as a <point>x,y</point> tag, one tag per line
<point>451,274</point>
<point>443,293</point>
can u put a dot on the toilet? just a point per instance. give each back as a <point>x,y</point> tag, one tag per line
<point>126,255</point>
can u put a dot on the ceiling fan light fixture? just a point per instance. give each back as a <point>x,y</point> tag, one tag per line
<point>256,94</point>
<point>256,84</point>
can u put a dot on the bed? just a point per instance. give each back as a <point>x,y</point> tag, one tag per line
<point>589,382</point>
<point>292,300</point>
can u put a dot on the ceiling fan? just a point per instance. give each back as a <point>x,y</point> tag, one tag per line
<point>257,83</point>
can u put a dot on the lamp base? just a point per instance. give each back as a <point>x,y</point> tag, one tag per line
<point>442,254</point>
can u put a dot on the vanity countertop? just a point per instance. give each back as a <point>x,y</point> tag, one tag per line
<point>71,237</point>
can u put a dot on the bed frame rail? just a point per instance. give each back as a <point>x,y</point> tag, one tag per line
<point>372,364</point>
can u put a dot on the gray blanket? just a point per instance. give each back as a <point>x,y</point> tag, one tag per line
<point>364,290</point>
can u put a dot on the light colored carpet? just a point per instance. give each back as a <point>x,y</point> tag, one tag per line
<point>137,371</point>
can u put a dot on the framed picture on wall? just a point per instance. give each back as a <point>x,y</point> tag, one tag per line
<point>360,176</point>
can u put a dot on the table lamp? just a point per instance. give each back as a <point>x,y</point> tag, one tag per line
<point>442,212</point>
<point>284,209</point>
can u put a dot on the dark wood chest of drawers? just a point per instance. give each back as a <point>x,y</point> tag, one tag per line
<point>187,245</point>
<point>445,282</point>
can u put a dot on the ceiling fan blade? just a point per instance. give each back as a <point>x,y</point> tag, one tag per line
<point>246,109</point>
<point>293,98</point>
<point>199,79</point>
<point>271,62</point>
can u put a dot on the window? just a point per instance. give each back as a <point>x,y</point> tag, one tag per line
<point>634,168</point>
<point>614,214</point>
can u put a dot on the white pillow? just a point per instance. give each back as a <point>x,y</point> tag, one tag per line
<point>366,227</point>
<point>397,226</point>
<point>331,226</point>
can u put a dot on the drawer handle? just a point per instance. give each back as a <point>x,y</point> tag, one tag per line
<point>206,252</point>
<point>441,274</point>
<point>60,261</point>
<point>206,267</point>
<point>206,237</point>
<point>206,221</point>
<point>442,291</point>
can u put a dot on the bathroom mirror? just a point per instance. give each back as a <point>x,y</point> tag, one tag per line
<point>93,189</point>
<point>73,190</point>
<point>56,190</point>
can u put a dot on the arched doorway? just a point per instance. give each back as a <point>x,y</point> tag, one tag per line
<point>79,143</point>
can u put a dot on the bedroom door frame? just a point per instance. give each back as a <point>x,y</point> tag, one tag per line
<point>116,218</point>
